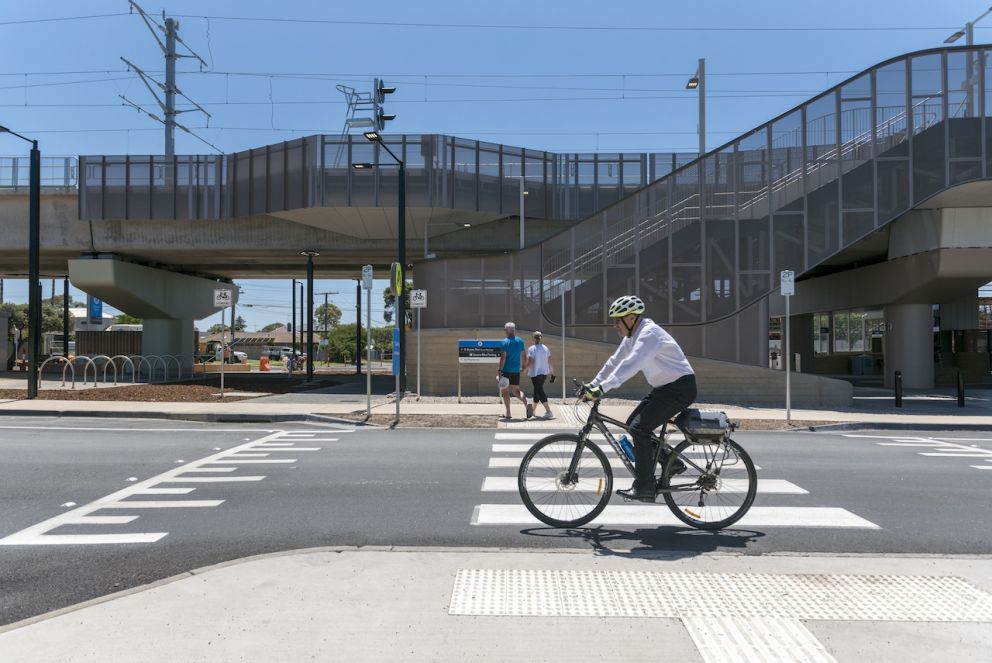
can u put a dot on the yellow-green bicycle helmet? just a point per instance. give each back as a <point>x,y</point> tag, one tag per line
<point>623,306</point>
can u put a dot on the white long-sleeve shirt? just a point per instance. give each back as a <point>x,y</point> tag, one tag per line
<point>652,351</point>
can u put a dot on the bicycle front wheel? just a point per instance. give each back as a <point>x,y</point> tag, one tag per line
<point>554,496</point>
<point>716,490</point>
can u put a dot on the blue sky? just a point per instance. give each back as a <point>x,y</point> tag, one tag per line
<point>562,76</point>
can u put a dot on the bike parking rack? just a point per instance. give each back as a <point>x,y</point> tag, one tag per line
<point>107,362</point>
<point>86,367</point>
<point>68,364</point>
<point>165,368</point>
<point>142,360</point>
<point>134,375</point>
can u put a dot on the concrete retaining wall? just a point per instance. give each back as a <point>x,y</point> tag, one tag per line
<point>719,382</point>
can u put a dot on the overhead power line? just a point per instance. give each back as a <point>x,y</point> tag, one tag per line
<point>62,18</point>
<point>594,28</point>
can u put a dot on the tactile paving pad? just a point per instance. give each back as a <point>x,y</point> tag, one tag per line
<point>508,592</point>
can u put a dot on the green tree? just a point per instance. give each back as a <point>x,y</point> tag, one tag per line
<point>125,319</point>
<point>389,301</point>
<point>272,326</point>
<point>51,316</point>
<point>328,316</point>
<point>218,328</point>
<point>240,324</point>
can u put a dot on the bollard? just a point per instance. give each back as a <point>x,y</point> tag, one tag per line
<point>898,388</point>
<point>960,389</point>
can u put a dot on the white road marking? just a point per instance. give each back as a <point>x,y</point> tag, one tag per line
<point>983,467</point>
<point>592,436</point>
<point>163,504</point>
<point>288,449</point>
<point>765,486</point>
<point>102,520</point>
<point>936,447</point>
<point>210,469</point>
<point>211,479</point>
<point>241,461</point>
<point>589,461</point>
<point>247,455</point>
<point>39,534</point>
<point>269,445</point>
<point>758,516</point>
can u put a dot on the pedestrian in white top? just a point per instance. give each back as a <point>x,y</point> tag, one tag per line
<point>539,367</point>
<point>646,348</point>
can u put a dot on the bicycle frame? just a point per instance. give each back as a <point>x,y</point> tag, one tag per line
<point>599,421</point>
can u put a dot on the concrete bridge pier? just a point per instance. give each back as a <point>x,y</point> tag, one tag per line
<point>909,345</point>
<point>167,302</point>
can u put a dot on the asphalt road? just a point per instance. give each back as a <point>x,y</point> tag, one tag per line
<point>416,487</point>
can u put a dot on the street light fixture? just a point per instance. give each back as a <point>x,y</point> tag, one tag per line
<point>968,31</point>
<point>427,255</point>
<point>310,256</point>
<point>698,83</point>
<point>34,262</point>
<point>375,137</point>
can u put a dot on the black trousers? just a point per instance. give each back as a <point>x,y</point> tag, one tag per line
<point>656,408</point>
<point>538,382</point>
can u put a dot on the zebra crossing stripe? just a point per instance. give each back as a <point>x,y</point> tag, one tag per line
<point>765,486</point>
<point>658,515</point>
<point>616,463</point>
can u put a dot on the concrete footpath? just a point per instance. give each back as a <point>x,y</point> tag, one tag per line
<point>364,604</point>
<point>922,414</point>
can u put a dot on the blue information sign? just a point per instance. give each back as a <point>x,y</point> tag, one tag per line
<point>396,351</point>
<point>96,310</point>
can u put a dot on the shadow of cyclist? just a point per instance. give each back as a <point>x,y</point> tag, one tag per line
<point>655,542</point>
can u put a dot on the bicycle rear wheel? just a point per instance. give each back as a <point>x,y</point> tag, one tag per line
<point>554,497</point>
<point>718,492</point>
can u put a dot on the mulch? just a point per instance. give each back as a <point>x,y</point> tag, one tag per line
<point>203,390</point>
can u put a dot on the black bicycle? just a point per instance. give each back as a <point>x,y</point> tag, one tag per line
<point>566,480</point>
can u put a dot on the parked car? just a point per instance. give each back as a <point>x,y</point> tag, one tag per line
<point>238,357</point>
<point>279,354</point>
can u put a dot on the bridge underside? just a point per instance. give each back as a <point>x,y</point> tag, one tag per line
<point>260,246</point>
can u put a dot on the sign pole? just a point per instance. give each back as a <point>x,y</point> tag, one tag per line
<point>788,288</point>
<point>563,346</point>
<point>788,367</point>
<point>367,284</point>
<point>418,353</point>
<point>368,351</point>
<point>223,345</point>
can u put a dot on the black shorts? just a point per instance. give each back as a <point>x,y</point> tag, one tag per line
<point>514,378</point>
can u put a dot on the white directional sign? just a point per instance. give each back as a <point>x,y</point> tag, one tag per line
<point>418,299</point>
<point>367,277</point>
<point>223,298</point>
<point>788,282</point>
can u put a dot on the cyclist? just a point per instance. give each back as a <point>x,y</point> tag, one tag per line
<point>647,348</point>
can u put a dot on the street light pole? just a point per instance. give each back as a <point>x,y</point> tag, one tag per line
<point>34,262</point>
<point>698,83</point>
<point>310,256</point>
<point>374,137</point>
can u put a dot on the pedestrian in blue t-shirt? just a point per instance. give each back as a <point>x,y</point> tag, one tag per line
<point>512,359</point>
